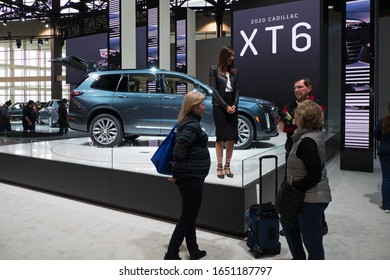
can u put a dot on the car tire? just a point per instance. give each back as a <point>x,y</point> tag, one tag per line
<point>106,131</point>
<point>246,133</point>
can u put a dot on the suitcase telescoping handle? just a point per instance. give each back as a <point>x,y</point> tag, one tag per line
<point>261,175</point>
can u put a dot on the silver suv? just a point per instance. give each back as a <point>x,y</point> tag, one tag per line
<point>116,104</point>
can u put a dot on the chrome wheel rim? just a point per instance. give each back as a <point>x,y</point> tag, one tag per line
<point>243,133</point>
<point>105,131</point>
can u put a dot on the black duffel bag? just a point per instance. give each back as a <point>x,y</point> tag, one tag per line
<point>289,201</point>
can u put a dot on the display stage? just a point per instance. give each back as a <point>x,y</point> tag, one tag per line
<point>124,177</point>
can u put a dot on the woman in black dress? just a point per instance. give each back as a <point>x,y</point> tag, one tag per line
<point>224,83</point>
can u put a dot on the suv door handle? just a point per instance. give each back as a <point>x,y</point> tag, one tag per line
<point>121,96</point>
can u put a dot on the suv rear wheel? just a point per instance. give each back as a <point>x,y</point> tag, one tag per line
<point>106,130</point>
<point>246,133</point>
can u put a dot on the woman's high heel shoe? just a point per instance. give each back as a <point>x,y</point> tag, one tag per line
<point>228,172</point>
<point>220,171</point>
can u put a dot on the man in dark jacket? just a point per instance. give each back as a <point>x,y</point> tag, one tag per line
<point>29,117</point>
<point>63,117</point>
<point>303,91</point>
<point>5,124</point>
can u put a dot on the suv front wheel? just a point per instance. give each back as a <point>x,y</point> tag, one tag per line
<point>106,130</point>
<point>246,133</point>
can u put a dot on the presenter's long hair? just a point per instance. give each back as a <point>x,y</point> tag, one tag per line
<point>224,55</point>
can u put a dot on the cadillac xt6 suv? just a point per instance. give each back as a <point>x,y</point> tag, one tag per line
<point>115,104</point>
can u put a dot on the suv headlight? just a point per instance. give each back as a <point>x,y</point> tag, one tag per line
<point>267,107</point>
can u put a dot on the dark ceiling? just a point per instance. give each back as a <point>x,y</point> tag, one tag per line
<point>83,17</point>
<point>77,18</point>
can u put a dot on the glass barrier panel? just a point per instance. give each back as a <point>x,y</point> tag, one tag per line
<point>251,168</point>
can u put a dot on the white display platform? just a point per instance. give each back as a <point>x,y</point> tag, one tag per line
<point>135,156</point>
<point>124,177</point>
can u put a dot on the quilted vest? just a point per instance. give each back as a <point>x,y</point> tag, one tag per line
<point>296,170</point>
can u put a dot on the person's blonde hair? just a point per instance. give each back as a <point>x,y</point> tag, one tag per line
<point>310,114</point>
<point>191,100</point>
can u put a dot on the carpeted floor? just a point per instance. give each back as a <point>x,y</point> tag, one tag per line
<point>35,225</point>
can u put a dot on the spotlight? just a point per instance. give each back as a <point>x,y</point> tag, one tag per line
<point>5,22</point>
<point>46,40</point>
<point>31,40</point>
<point>18,43</point>
<point>40,42</point>
<point>47,25</point>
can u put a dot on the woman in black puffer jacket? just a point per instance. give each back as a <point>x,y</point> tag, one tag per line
<point>190,167</point>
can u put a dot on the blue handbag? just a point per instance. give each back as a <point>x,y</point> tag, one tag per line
<point>163,157</point>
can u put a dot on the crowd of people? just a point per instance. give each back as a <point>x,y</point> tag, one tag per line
<point>302,122</point>
<point>30,117</point>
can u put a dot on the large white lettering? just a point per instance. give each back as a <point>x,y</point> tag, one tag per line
<point>296,36</point>
<point>274,36</point>
<point>248,42</point>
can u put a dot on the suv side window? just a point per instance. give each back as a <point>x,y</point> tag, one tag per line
<point>106,82</point>
<point>138,83</point>
<point>177,85</point>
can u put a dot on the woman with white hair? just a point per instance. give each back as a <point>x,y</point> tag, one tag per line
<point>306,173</point>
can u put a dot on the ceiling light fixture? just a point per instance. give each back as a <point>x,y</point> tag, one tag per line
<point>40,41</point>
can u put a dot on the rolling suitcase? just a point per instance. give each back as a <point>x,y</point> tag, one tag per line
<point>263,221</point>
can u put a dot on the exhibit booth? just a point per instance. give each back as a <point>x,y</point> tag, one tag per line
<point>124,178</point>
<point>274,44</point>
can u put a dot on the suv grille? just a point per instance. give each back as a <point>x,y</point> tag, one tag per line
<point>271,114</point>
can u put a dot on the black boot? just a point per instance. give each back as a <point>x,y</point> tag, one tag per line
<point>198,255</point>
<point>167,257</point>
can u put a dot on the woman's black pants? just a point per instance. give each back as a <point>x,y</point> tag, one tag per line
<point>191,190</point>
